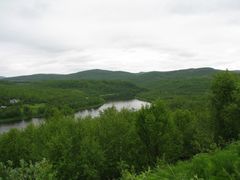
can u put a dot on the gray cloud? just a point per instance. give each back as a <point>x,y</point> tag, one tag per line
<point>63,36</point>
<point>203,6</point>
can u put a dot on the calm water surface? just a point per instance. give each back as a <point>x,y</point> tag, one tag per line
<point>19,125</point>
<point>133,104</point>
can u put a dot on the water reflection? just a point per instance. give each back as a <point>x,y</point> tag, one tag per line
<point>134,104</point>
<point>19,125</point>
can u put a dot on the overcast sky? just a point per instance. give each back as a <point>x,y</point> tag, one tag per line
<point>64,36</point>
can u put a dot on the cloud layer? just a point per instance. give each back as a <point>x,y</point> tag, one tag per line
<point>63,36</point>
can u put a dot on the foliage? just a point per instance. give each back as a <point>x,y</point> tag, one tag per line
<point>38,171</point>
<point>103,147</point>
<point>156,131</point>
<point>226,106</point>
<point>38,98</point>
<point>222,164</point>
<point>162,134</point>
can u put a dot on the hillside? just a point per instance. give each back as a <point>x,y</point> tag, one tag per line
<point>1,77</point>
<point>222,164</point>
<point>98,74</point>
<point>187,82</point>
<point>88,75</point>
<point>36,77</point>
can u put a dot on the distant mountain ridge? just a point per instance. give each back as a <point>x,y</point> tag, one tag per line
<point>1,77</point>
<point>98,74</point>
<point>155,84</point>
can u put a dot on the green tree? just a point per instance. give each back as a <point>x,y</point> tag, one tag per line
<point>39,170</point>
<point>155,131</point>
<point>27,112</point>
<point>225,109</point>
<point>117,134</point>
<point>184,123</point>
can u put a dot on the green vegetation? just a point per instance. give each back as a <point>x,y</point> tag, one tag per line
<point>173,86</point>
<point>40,170</point>
<point>37,99</point>
<point>220,164</point>
<point>92,88</point>
<point>179,137</point>
<point>225,106</point>
<point>140,78</point>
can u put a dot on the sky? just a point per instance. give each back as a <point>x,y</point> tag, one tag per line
<point>66,36</point>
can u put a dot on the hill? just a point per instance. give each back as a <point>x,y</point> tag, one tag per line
<point>187,82</point>
<point>36,77</point>
<point>97,74</point>
<point>1,77</point>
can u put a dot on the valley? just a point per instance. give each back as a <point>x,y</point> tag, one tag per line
<point>117,125</point>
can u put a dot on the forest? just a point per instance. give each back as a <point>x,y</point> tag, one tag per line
<point>191,129</point>
<point>40,99</point>
<point>39,95</point>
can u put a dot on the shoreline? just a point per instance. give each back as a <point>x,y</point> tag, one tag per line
<point>19,119</point>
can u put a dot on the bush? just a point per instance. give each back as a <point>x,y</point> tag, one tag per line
<point>38,171</point>
<point>222,164</point>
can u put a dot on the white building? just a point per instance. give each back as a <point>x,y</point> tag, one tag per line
<point>14,101</point>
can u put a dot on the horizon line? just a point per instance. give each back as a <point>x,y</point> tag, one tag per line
<point>22,75</point>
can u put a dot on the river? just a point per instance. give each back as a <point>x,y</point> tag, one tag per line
<point>19,125</point>
<point>133,104</point>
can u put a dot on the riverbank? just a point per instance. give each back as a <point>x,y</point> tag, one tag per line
<point>93,111</point>
<point>19,124</point>
<point>42,113</point>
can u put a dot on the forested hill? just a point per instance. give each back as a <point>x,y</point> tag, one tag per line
<point>95,74</point>
<point>180,83</point>
<point>98,74</point>
<point>1,77</point>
